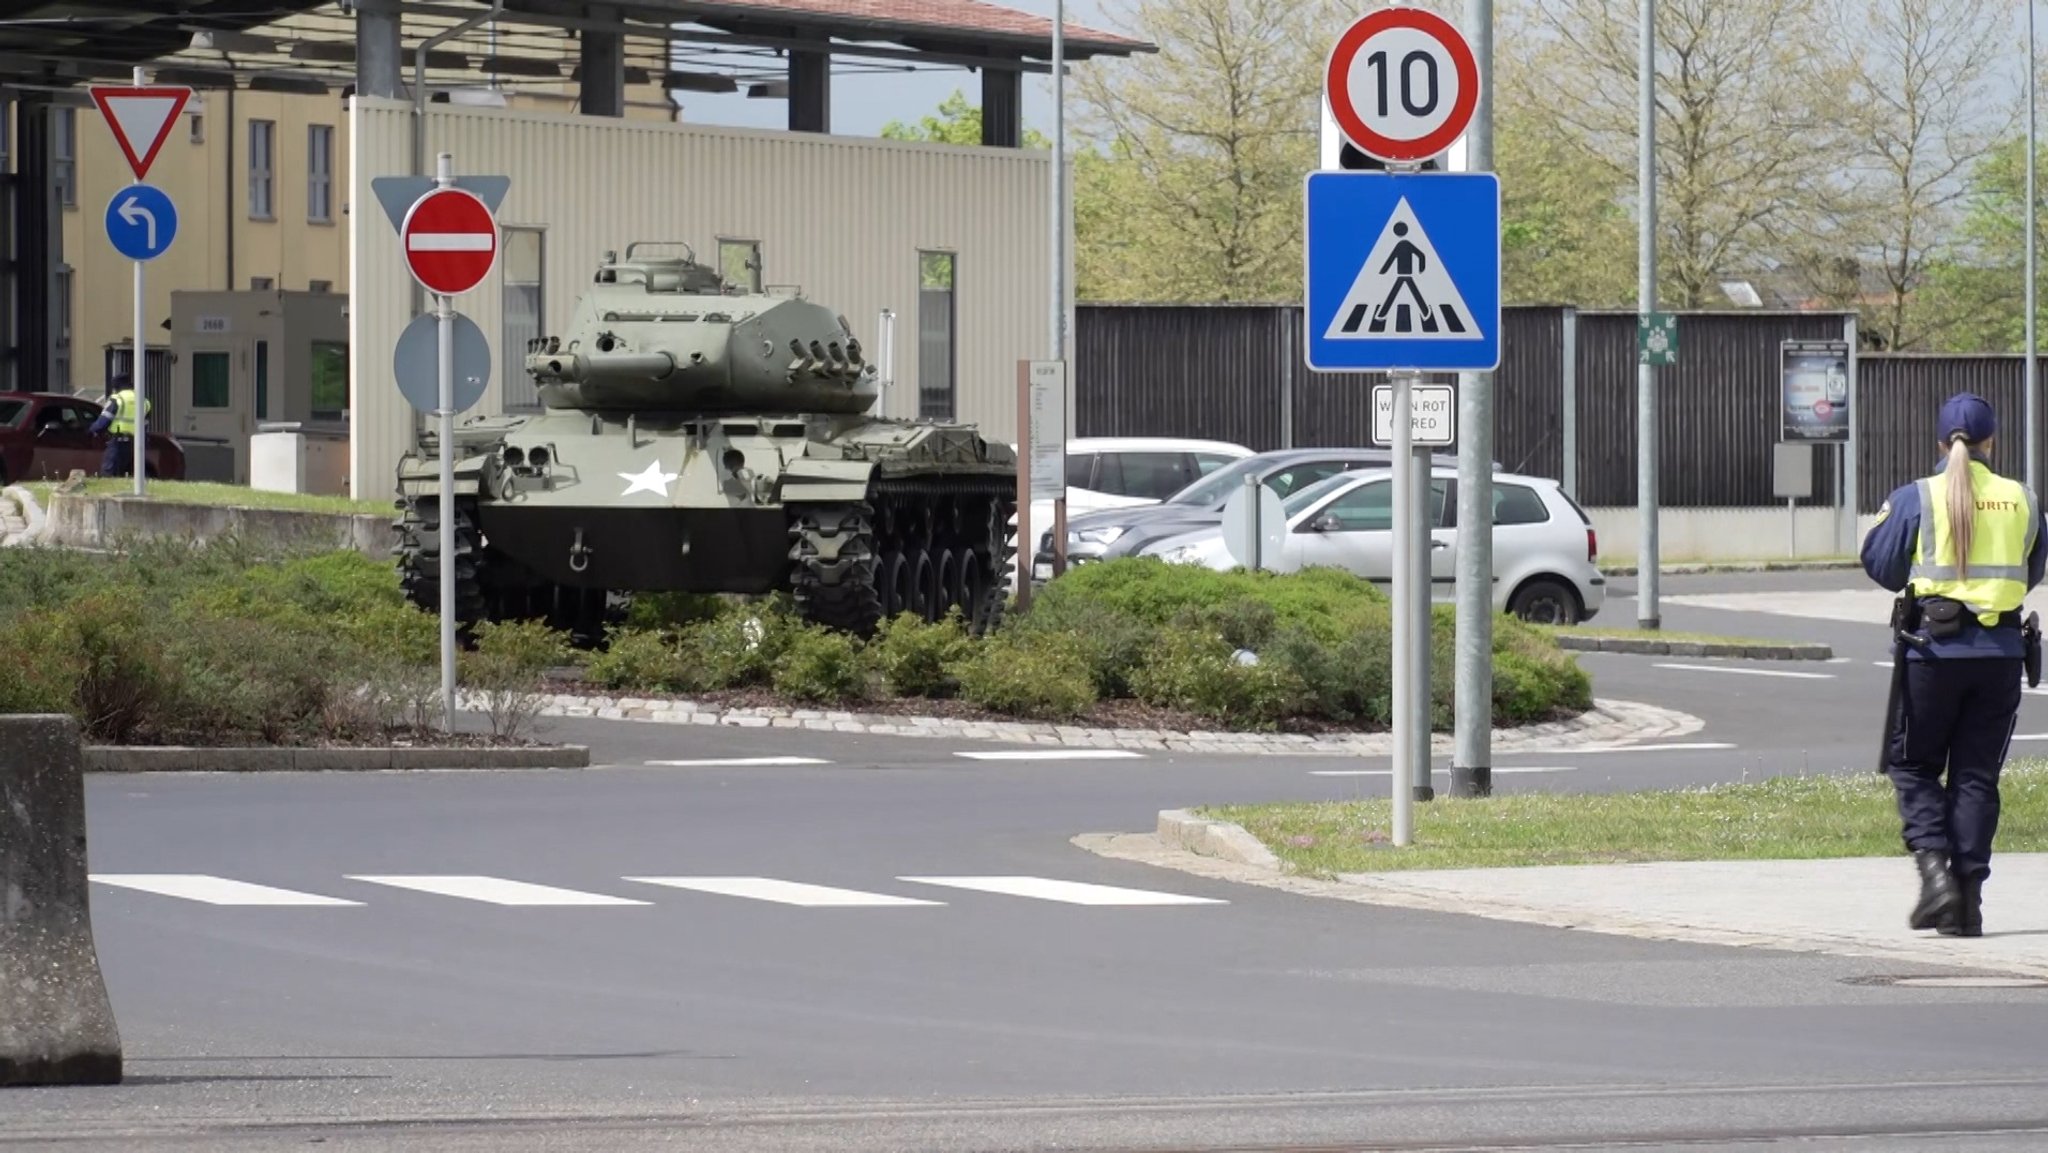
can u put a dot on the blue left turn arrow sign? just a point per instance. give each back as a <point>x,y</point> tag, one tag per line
<point>141,221</point>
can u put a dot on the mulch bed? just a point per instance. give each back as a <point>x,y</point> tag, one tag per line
<point>398,739</point>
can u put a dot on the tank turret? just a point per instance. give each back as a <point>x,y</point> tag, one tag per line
<point>697,437</point>
<point>664,334</point>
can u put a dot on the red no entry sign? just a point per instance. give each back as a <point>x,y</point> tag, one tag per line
<point>1402,84</point>
<point>450,241</point>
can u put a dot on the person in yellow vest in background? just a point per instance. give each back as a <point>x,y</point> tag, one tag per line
<point>117,418</point>
<point>1963,548</point>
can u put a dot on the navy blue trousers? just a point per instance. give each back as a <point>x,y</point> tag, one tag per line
<point>1959,715</point>
<point>119,457</point>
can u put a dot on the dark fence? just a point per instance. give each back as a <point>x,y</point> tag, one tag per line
<point>1235,372</point>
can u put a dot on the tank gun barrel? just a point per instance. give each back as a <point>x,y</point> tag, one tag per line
<point>584,367</point>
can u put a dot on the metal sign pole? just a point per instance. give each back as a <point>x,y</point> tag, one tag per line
<point>1401,780</point>
<point>444,312</point>
<point>1646,291</point>
<point>1421,650</point>
<point>138,372</point>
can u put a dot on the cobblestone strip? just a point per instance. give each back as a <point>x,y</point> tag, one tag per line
<point>1759,650</point>
<point>1606,723</point>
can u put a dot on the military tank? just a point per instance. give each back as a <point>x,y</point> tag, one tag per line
<point>695,437</point>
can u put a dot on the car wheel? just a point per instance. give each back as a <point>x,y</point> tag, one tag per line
<point>1544,601</point>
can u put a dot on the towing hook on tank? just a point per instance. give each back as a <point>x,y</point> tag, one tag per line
<point>579,554</point>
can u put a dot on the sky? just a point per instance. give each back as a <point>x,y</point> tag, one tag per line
<point>862,104</point>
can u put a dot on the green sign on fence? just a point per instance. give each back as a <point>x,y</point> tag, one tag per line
<point>1657,338</point>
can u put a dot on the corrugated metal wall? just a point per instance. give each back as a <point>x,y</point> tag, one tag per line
<point>1901,396</point>
<point>843,217</point>
<point>1221,372</point>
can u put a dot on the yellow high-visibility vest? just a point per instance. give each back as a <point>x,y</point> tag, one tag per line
<point>2007,520</point>
<point>123,423</point>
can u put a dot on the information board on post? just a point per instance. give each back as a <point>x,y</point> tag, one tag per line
<point>1047,385</point>
<point>1815,380</point>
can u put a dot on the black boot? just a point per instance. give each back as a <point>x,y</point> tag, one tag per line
<point>1938,896</point>
<point>1969,920</point>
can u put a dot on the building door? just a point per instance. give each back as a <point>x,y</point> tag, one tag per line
<point>216,410</point>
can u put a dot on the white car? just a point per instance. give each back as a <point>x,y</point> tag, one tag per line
<point>1545,553</point>
<point>1125,471</point>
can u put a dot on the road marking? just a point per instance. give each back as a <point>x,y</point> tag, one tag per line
<point>1576,750</point>
<point>2031,737</point>
<point>1749,672</point>
<point>214,890</point>
<point>735,762</point>
<point>784,892</point>
<point>1070,892</point>
<point>1499,770</point>
<point>497,891</point>
<point>1052,755</point>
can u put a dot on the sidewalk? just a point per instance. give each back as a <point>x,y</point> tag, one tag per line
<point>1851,907</point>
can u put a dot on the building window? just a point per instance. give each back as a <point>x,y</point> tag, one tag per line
<point>261,283</point>
<point>330,381</point>
<point>524,264</point>
<point>211,386</point>
<point>64,156</point>
<point>60,361</point>
<point>6,133</point>
<point>320,173</point>
<point>195,127</point>
<point>262,163</point>
<point>262,380</point>
<point>936,316</point>
<point>739,264</point>
<point>320,286</point>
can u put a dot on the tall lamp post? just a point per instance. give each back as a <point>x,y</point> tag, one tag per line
<point>2033,406</point>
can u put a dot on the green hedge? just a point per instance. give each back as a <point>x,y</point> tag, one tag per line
<point>221,643</point>
<point>1241,650</point>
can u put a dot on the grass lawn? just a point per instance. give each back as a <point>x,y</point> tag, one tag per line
<point>1662,635</point>
<point>1784,818</point>
<point>222,495</point>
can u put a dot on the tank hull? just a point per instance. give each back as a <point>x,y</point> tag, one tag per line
<point>645,550</point>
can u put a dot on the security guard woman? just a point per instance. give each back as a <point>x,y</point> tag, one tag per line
<point>1965,545</point>
<point>117,417</point>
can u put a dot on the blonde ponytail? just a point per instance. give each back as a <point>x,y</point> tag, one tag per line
<point>1962,504</point>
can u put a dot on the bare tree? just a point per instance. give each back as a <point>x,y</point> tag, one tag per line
<point>1925,100</point>
<point>1748,125</point>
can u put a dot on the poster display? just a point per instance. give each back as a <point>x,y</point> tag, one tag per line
<point>1816,390</point>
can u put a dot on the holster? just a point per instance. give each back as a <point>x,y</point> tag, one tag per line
<point>2030,634</point>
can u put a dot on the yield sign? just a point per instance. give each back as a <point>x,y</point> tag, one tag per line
<point>450,241</point>
<point>141,119</point>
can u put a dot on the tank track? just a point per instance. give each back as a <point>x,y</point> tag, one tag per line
<point>919,545</point>
<point>488,587</point>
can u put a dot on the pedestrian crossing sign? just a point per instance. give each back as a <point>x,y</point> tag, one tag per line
<point>1402,271</point>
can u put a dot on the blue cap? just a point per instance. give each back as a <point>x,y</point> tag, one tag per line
<point>1969,414</point>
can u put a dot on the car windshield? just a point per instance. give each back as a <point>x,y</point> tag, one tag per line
<point>10,412</point>
<point>1214,488</point>
<point>1306,498</point>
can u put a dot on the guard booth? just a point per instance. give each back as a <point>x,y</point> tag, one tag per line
<point>270,358</point>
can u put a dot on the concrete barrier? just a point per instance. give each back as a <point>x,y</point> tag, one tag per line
<point>98,522</point>
<point>56,1024</point>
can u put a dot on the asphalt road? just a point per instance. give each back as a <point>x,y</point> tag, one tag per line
<point>895,949</point>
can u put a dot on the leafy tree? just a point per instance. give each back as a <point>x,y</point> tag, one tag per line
<point>1188,187</point>
<point>1975,295</point>
<point>957,122</point>
<point>1567,236</point>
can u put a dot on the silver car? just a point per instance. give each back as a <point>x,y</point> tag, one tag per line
<point>1545,553</point>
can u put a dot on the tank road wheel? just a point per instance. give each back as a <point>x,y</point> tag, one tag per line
<point>419,559</point>
<point>832,551</point>
<point>893,581</point>
<point>920,567</point>
<point>945,578</point>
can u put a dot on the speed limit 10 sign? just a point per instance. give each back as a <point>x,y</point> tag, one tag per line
<point>1402,84</point>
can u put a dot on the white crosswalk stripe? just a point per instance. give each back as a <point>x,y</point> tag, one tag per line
<point>497,891</point>
<point>1068,892</point>
<point>213,890</point>
<point>785,892</point>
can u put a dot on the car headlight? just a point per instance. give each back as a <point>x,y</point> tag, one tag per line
<point>1103,537</point>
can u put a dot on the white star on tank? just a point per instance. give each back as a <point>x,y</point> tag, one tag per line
<point>652,480</point>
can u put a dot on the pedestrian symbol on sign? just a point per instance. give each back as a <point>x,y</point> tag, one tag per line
<point>1402,290</point>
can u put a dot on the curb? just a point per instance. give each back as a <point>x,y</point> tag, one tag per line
<point>1638,647</point>
<point>1700,567</point>
<point>189,759</point>
<point>1606,723</point>
<point>1220,839</point>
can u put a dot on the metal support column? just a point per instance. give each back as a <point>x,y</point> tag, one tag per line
<point>810,90</point>
<point>1472,705</point>
<point>1002,107</point>
<point>1569,417</point>
<point>379,64</point>
<point>38,242</point>
<point>601,75</point>
<point>1646,294</point>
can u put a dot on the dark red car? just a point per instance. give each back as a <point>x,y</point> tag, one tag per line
<point>43,436</point>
